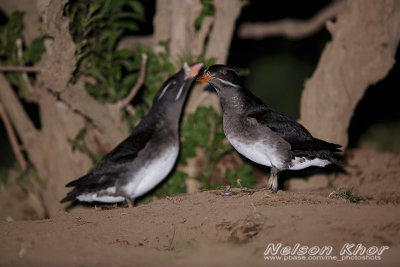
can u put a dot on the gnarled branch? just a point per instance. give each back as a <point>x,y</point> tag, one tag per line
<point>365,38</point>
<point>13,139</point>
<point>290,28</point>
<point>226,13</point>
<point>24,126</point>
<point>199,40</point>
<point>18,69</point>
<point>106,118</point>
<point>124,102</point>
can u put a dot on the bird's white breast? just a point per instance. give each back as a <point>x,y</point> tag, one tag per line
<point>152,173</point>
<point>257,151</point>
<point>267,155</point>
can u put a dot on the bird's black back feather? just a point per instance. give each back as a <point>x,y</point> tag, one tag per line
<point>287,128</point>
<point>112,165</point>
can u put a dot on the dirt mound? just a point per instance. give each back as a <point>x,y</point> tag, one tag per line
<point>374,176</point>
<point>209,229</point>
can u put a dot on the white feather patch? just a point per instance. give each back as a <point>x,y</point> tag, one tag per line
<point>179,92</point>
<point>163,91</point>
<point>106,196</point>
<point>299,163</point>
<point>228,83</point>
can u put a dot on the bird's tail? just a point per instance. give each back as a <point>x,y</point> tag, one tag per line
<point>323,145</point>
<point>320,154</point>
<point>71,195</point>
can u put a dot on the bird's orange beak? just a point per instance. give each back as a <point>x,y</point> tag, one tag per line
<point>194,70</point>
<point>204,78</point>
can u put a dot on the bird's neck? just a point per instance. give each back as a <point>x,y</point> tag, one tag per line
<point>233,100</point>
<point>163,115</point>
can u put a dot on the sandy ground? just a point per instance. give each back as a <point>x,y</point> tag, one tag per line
<point>206,229</point>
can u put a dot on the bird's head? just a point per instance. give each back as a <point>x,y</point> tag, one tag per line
<point>176,87</point>
<point>220,77</point>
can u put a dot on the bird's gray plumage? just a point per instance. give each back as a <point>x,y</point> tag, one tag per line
<point>146,157</point>
<point>262,134</point>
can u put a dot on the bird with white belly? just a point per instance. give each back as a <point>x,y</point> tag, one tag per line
<point>262,134</point>
<point>145,158</point>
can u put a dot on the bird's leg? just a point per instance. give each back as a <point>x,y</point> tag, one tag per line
<point>273,180</point>
<point>272,186</point>
<point>130,202</point>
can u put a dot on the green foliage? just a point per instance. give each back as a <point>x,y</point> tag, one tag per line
<point>346,194</point>
<point>79,143</point>
<point>245,3</point>
<point>245,174</point>
<point>37,178</point>
<point>33,52</point>
<point>3,177</point>
<point>175,184</point>
<point>203,129</point>
<point>208,10</point>
<point>159,68</point>
<point>9,34</point>
<point>27,179</point>
<point>96,27</point>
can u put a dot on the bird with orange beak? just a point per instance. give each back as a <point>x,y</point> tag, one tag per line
<point>262,134</point>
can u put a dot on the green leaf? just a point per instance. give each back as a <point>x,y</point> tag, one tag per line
<point>137,6</point>
<point>3,176</point>
<point>94,6</point>
<point>115,71</point>
<point>127,15</point>
<point>129,80</point>
<point>33,52</point>
<point>125,53</point>
<point>246,176</point>
<point>126,24</point>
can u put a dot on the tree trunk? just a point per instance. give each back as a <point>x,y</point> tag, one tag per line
<point>364,42</point>
<point>66,108</point>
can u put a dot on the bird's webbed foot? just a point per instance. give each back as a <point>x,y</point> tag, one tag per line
<point>225,193</point>
<point>130,202</point>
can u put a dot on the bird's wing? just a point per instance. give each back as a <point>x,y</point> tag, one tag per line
<point>291,131</point>
<point>113,165</point>
<point>288,129</point>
